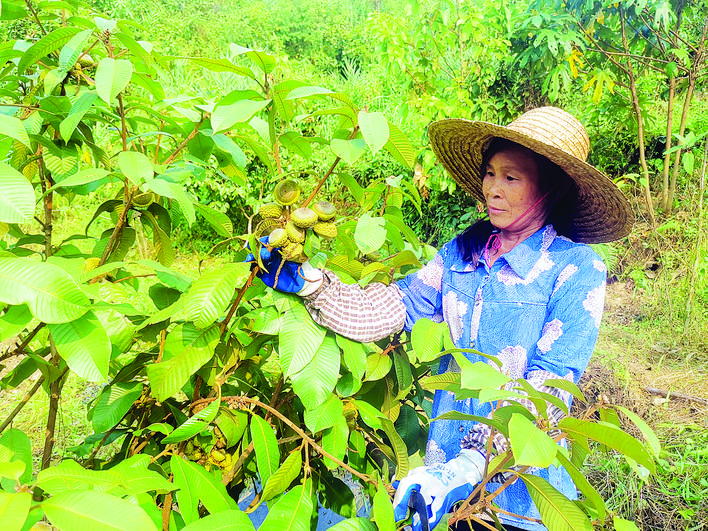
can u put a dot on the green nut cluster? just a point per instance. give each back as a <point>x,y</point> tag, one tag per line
<point>289,226</point>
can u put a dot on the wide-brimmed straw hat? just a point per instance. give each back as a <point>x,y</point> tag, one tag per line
<point>603,213</point>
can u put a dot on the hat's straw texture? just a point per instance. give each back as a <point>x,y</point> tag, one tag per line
<point>603,214</point>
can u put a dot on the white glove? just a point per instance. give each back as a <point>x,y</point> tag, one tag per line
<point>441,485</point>
<point>313,279</point>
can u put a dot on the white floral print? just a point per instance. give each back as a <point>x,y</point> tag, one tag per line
<point>594,303</point>
<point>513,361</point>
<point>431,274</point>
<point>433,453</point>
<point>568,271</point>
<point>509,277</point>
<point>552,331</point>
<point>599,265</point>
<point>454,311</point>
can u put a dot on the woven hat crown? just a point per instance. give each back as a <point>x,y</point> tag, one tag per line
<point>555,127</point>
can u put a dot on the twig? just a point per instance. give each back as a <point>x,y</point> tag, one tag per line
<point>29,394</point>
<point>186,141</point>
<point>119,226</point>
<point>36,17</point>
<point>119,280</point>
<point>225,323</point>
<point>22,346</point>
<point>123,125</point>
<point>166,509</point>
<point>54,395</point>
<point>238,464</point>
<point>676,396</point>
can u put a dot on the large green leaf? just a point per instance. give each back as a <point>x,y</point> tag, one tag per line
<point>312,91</point>
<point>186,349</point>
<point>221,65</point>
<point>316,381</point>
<point>610,436</point>
<point>218,220</point>
<point>211,293</point>
<point>14,321</point>
<point>557,512</point>
<point>644,428</point>
<point>90,509</point>
<point>164,252</point>
<point>72,49</point>
<point>21,447</point>
<point>334,441</point>
<point>194,424</point>
<point>51,42</point>
<point>530,445</point>
<point>16,196</point>
<point>399,448</point>
<point>50,293</point>
<point>137,478</point>
<point>399,146</point>
<point>383,509</point>
<point>112,76</point>
<point>174,191</point>
<point>369,414</point>
<point>232,520</point>
<point>196,484</point>
<point>479,375</point>
<point>281,479</point>
<point>14,128</point>
<point>370,233</point>
<point>584,486</point>
<point>377,366</point>
<point>69,476</point>
<point>135,166</point>
<point>81,178</point>
<point>325,415</point>
<point>354,356</point>
<point>225,117</point>
<point>348,150</point>
<point>300,338</point>
<point>374,129</point>
<point>292,512</point>
<point>84,345</point>
<point>354,524</point>
<point>266,446</point>
<point>114,401</point>
<point>264,61</point>
<point>14,508</point>
<point>428,339</point>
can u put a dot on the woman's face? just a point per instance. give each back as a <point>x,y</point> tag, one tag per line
<point>510,187</point>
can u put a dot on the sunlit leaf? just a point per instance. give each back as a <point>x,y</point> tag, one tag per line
<point>16,196</point>
<point>14,128</point>
<point>292,512</point>
<point>51,42</point>
<point>231,520</point>
<point>135,166</point>
<point>557,512</point>
<point>281,479</point>
<point>399,448</point>
<point>193,425</point>
<point>530,445</point>
<point>112,76</point>
<point>315,381</point>
<point>325,415</point>
<point>300,338</point>
<point>427,339</point>
<point>225,117</point>
<point>370,233</point>
<point>348,150</point>
<point>14,508</point>
<point>84,345</point>
<point>374,129</point>
<point>334,441</point>
<point>211,293</point>
<point>266,446</point>
<point>383,509</point>
<point>114,401</point>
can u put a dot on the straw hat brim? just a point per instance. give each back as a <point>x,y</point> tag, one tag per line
<point>603,213</point>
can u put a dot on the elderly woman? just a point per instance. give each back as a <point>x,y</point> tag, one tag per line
<point>522,286</point>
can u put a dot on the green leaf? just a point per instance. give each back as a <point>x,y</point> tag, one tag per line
<point>51,294</point>
<point>374,129</point>
<point>529,444</point>
<point>281,479</point>
<point>370,233</point>
<point>78,510</point>
<point>12,470</point>
<point>225,117</point>
<point>624,525</point>
<point>196,484</point>
<point>232,424</point>
<point>348,150</point>
<point>644,428</point>
<point>354,356</point>
<point>610,436</point>
<point>296,144</point>
<point>354,524</point>
<point>232,520</point>
<point>69,475</point>
<point>21,447</point>
<point>584,486</point>
<point>221,65</point>
<point>369,414</point>
<point>84,345</point>
<point>399,448</point>
<point>310,91</point>
<point>408,427</point>
<point>113,403</point>
<point>383,509</point>
<point>567,386</point>
<point>135,166</point>
<point>428,339</point>
<point>174,191</point>
<point>112,76</point>
<point>76,114</point>
<point>136,478</point>
<point>81,178</point>
<point>194,424</point>
<point>292,512</point>
<point>14,508</point>
<point>266,446</point>
<point>263,60</point>
<point>186,349</point>
<point>16,196</point>
<point>227,145</point>
<point>377,366</point>
<point>211,293</point>
<point>71,50</point>
<point>316,381</point>
<point>334,441</point>
<point>557,512</point>
<point>46,45</point>
<point>14,321</point>
<point>325,415</point>
<point>479,375</point>
<point>14,128</point>
<point>161,241</point>
<point>110,205</point>
<point>399,147</point>
<point>300,338</point>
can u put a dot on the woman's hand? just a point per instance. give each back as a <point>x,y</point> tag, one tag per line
<point>292,277</point>
<point>441,485</point>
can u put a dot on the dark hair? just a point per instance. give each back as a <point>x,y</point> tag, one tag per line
<point>562,201</point>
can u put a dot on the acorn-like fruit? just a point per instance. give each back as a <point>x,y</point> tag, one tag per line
<point>142,201</point>
<point>270,210</point>
<point>325,210</point>
<point>294,253</point>
<point>295,233</point>
<point>326,229</point>
<point>286,192</point>
<point>277,238</point>
<point>304,217</point>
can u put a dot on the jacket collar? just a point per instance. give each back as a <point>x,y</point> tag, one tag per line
<point>524,256</point>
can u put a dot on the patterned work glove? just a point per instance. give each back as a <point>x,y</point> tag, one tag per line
<point>301,279</point>
<point>441,485</point>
